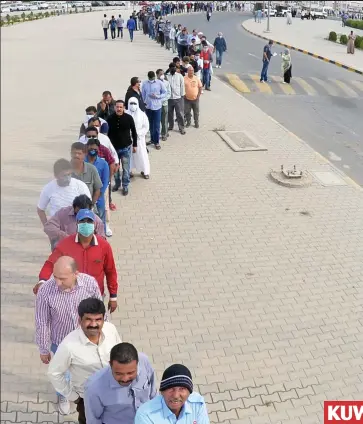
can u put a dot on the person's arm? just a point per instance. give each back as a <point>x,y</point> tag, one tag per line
<point>224,44</point>
<point>97,186</point>
<point>42,216</point>
<point>168,91</point>
<point>265,54</point>
<point>182,87</point>
<point>110,272</point>
<point>105,177</point>
<point>52,228</point>
<point>153,386</point>
<point>57,370</point>
<point>96,196</point>
<point>133,132</point>
<point>42,326</point>
<point>47,269</point>
<point>200,88</point>
<point>83,189</point>
<point>93,407</point>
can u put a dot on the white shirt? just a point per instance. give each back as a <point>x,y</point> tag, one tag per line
<point>104,23</point>
<point>105,141</point>
<point>82,358</point>
<point>55,197</point>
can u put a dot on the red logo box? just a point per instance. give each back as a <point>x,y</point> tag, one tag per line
<point>343,411</point>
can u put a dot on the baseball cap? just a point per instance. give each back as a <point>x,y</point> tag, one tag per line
<point>85,214</point>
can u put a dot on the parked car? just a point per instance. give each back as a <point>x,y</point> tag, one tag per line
<point>33,7</point>
<point>5,10</point>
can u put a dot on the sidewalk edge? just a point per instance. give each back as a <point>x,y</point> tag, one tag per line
<point>325,59</point>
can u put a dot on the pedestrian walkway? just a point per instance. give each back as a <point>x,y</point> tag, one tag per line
<point>310,36</point>
<point>250,84</point>
<point>255,287</point>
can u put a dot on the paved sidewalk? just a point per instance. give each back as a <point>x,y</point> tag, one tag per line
<point>255,287</point>
<point>310,36</point>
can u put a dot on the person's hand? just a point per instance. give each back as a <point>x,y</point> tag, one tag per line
<point>112,305</point>
<point>134,149</point>
<point>103,105</point>
<point>36,288</point>
<point>45,358</point>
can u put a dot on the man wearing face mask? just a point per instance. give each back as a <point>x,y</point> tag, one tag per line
<point>61,191</point>
<point>164,111</point>
<point>176,101</point>
<point>91,112</point>
<point>103,170</point>
<point>176,403</point>
<point>92,254</point>
<point>93,131</point>
<point>56,308</point>
<point>83,352</point>
<point>121,388</point>
<point>63,223</point>
<point>154,92</point>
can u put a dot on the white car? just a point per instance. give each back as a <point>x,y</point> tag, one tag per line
<point>33,7</point>
<point>43,6</point>
<point>5,10</point>
<point>272,12</point>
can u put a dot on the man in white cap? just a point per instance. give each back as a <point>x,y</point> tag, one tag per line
<point>176,402</point>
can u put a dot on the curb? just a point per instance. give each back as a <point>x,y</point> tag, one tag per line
<point>325,59</point>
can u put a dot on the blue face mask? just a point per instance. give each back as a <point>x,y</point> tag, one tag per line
<point>86,229</point>
<point>93,152</point>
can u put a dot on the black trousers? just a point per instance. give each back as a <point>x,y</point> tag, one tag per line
<point>120,31</point>
<point>113,33</point>
<point>81,412</point>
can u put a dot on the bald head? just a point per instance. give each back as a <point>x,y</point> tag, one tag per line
<point>65,273</point>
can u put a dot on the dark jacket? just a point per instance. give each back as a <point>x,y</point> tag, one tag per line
<point>220,44</point>
<point>110,109</point>
<point>132,93</point>
<point>120,130</point>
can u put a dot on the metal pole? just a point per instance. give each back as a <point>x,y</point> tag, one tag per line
<point>268,16</point>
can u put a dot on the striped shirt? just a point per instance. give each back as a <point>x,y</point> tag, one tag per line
<point>56,311</point>
<point>54,197</point>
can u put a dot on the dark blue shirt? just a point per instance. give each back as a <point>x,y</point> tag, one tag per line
<point>267,50</point>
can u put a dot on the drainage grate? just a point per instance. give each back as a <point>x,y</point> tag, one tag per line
<point>241,141</point>
<point>328,178</point>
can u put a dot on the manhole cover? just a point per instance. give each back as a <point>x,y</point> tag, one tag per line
<point>328,178</point>
<point>241,141</point>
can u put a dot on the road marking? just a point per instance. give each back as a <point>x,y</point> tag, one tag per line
<point>358,84</point>
<point>286,88</point>
<point>253,55</point>
<point>334,157</point>
<point>263,88</point>
<point>237,83</point>
<point>331,90</point>
<point>306,86</point>
<point>344,87</point>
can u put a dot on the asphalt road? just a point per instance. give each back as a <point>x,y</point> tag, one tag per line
<point>331,125</point>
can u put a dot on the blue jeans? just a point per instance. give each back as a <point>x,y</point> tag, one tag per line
<point>264,70</point>
<point>206,78</point>
<point>101,209</point>
<point>131,32</point>
<point>125,158</point>
<point>154,121</point>
<point>219,55</point>
<point>53,349</point>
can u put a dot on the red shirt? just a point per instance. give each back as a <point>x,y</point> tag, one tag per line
<point>96,260</point>
<point>206,56</point>
<point>104,152</point>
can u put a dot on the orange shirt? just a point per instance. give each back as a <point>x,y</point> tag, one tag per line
<point>192,86</point>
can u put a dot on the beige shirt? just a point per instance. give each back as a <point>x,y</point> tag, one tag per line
<point>78,355</point>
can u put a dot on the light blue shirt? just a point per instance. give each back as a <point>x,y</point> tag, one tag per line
<point>156,412</point>
<point>108,402</point>
<point>153,93</point>
<point>104,173</point>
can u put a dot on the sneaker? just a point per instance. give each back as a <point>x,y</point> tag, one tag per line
<point>64,407</point>
<point>163,138</point>
<point>262,81</point>
<point>125,191</point>
<point>115,187</point>
<point>108,231</point>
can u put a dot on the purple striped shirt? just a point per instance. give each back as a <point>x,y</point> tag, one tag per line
<point>56,311</point>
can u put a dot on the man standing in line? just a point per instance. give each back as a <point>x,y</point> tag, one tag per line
<point>83,352</point>
<point>164,110</point>
<point>113,24</point>
<point>135,91</point>
<point>176,402</point>
<point>105,25</point>
<point>106,106</point>
<point>123,136</point>
<point>120,26</point>
<point>92,254</point>
<point>193,90</point>
<point>153,92</point>
<point>84,171</point>
<point>207,58</point>
<point>56,307</point>
<point>131,26</point>
<point>103,170</point>
<point>176,101</point>
<point>267,54</point>
<point>121,388</point>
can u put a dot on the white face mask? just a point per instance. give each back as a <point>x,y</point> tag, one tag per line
<point>133,108</point>
<point>162,77</point>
